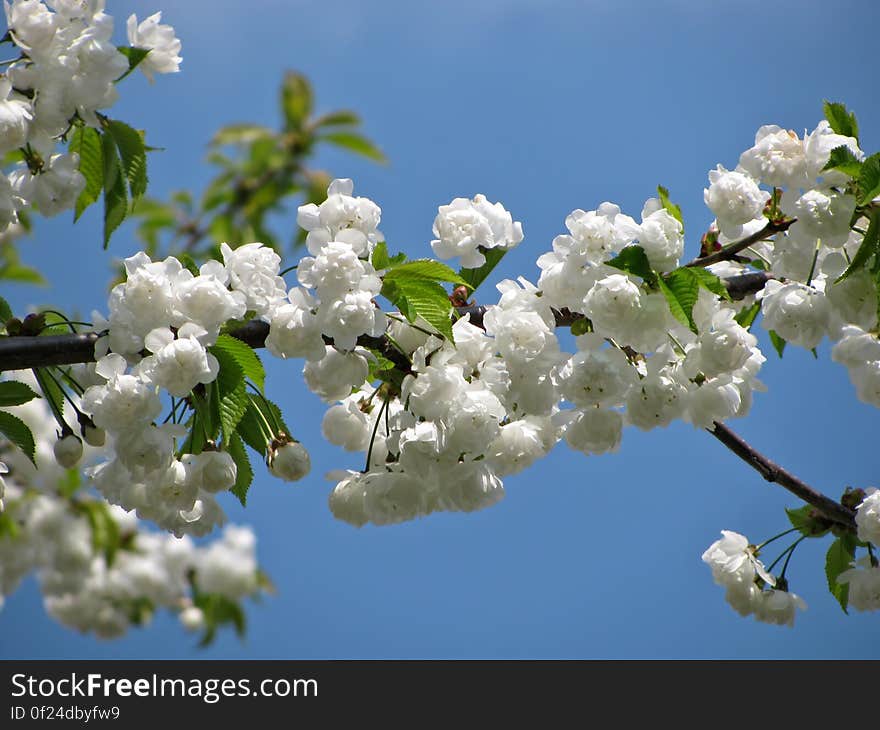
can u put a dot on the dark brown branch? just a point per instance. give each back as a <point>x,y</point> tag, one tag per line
<point>19,353</point>
<point>732,249</point>
<point>774,473</point>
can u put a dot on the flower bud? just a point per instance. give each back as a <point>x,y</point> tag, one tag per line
<point>288,459</point>
<point>68,450</point>
<point>192,618</point>
<point>92,435</point>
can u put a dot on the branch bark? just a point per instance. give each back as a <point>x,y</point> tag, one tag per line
<point>732,249</point>
<point>772,472</point>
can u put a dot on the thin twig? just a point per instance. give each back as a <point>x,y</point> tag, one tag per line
<point>732,249</point>
<point>774,473</point>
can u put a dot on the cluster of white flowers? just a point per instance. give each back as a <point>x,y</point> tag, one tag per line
<point>735,567</point>
<point>56,535</point>
<point>811,254</point>
<point>68,70</point>
<point>162,319</point>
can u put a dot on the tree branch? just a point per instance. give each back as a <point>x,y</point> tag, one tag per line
<point>19,353</point>
<point>774,473</point>
<point>732,249</point>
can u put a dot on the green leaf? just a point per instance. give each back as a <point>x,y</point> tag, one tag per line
<point>869,179</point>
<point>778,342</point>
<point>189,263</point>
<point>681,289</point>
<point>341,118</point>
<point>807,521</point>
<point>106,536</point>
<point>356,143</point>
<point>134,56</point>
<point>474,277</point>
<point>707,280</point>
<point>581,326</point>
<point>130,144</point>
<point>16,430</point>
<point>13,393</point>
<point>239,134</point>
<point>869,248</point>
<point>840,555</point>
<point>115,198</point>
<point>747,316</point>
<point>232,397</point>
<point>219,610</point>
<point>841,121</point>
<point>15,271</point>
<point>245,474</point>
<point>246,358</point>
<point>296,100</point>
<point>250,427</point>
<point>5,311</point>
<point>634,260</point>
<point>845,161</point>
<point>669,206</point>
<point>416,296</point>
<point>86,142</point>
<point>425,269</point>
<point>51,390</point>
<point>381,259</point>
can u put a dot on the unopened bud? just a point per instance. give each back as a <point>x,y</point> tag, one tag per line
<point>68,450</point>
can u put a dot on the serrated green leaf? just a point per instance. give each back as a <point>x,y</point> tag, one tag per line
<point>634,260</point>
<point>132,152</point>
<point>5,311</point>
<point>474,277</point>
<point>134,56</point>
<point>425,269</point>
<point>707,280</point>
<point>417,296</point>
<point>244,472</point>
<point>670,207</point>
<point>250,428</point>
<point>13,393</point>
<point>232,397</point>
<point>746,317</point>
<point>247,359</point>
<point>869,179</point>
<point>841,120</point>
<point>16,430</point>
<point>845,161</point>
<point>838,559</point>
<point>296,100</point>
<point>868,249</point>
<point>86,142</point>
<point>778,342</point>
<point>354,142</point>
<point>115,197</point>
<point>682,289</point>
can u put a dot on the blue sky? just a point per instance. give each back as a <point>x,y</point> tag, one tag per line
<point>546,106</point>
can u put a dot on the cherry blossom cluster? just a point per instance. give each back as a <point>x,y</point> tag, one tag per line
<point>161,321</point>
<point>505,392</point>
<point>749,588</point>
<point>67,72</point>
<point>806,303</point>
<point>48,531</point>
